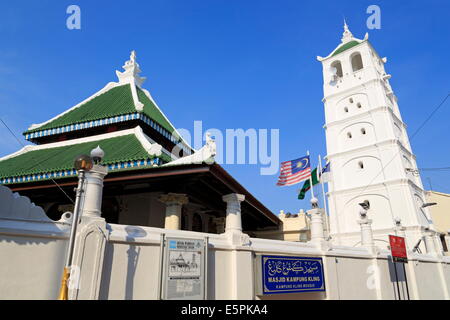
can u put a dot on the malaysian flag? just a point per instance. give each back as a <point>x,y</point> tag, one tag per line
<point>294,171</point>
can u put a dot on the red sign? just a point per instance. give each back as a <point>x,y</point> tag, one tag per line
<point>398,248</point>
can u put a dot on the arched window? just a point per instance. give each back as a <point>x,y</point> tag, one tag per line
<point>184,219</point>
<point>358,105</point>
<point>349,135</point>
<point>363,130</point>
<point>197,223</point>
<point>338,66</point>
<point>361,165</point>
<point>212,226</point>
<point>357,63</point>
<point>346,109</point>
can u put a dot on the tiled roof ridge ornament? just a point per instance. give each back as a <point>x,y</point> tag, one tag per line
<point>211,144</point>
<point>131,76</point>
<point>204,155</point>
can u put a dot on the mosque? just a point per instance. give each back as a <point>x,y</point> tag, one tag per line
<point>153,199</point>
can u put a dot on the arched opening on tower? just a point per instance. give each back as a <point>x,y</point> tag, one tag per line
<point>357,63</point>
<point>338,66</point>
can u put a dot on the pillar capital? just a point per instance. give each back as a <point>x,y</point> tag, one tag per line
<point>173,199</point>
<point>233,214</point>
<point>174,203</point>
<point>233,197</point>
<point>99,170</point>
<point>365,221</point>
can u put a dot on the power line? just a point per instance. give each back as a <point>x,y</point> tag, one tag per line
<point>37,163</point>
<point>433,169</point>
<point>429,117</point>
<point>412,137</point>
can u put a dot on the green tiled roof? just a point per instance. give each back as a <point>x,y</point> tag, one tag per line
<point>114,102</point>
<point>346,46</point>
<point>117,149</point>
<point>153,112</point>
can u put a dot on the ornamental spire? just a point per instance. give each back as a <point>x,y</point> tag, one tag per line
<point>131,73</point>
<point>347,35</point>
<point>131,76</point>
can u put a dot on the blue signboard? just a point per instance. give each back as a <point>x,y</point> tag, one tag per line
<point>282,274</point>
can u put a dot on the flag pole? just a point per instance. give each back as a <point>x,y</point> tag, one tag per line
<point>310,177</point>
<point>324,196</point>
<point>63,292</point>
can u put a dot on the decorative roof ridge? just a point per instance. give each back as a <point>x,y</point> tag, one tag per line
<point>347,37</point>
<point>69,142</point>
<point>205,154</point>
<point>147,93</point>
<point>106,88</point>
<point>150,145</point>
<point>131,76</point>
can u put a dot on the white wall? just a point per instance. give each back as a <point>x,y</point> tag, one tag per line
<point>131,267</point>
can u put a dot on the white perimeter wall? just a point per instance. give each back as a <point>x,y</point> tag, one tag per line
<point>126,265</point>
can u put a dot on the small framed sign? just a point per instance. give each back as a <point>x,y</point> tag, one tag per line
<point>184,269</point>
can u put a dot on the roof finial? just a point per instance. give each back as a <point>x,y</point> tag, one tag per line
<point>345,24</point>
<point>131,76</point>
<point>347,35</point>
<point>133,57</point>
<point>131,72</point>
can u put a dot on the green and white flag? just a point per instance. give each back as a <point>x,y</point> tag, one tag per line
<point>307,185</point>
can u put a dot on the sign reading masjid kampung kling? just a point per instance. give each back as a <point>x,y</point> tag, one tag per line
<point>285,274</point>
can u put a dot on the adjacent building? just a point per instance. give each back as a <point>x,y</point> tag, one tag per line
<point>440,212</point>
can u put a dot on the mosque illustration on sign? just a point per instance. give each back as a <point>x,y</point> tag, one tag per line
<point>183,263</point>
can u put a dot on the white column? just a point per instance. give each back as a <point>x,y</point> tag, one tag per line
<point>429,242</point>
<point>233,217</point>
<point>174,203</point>
<point>317,233</point>
<point>93,192</point>
<point>366,232</point>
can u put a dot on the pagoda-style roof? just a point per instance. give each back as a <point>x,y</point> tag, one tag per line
<point>124,150</point>
<point>119,105</point>
<point>123,120</point>
<point>115,104</point>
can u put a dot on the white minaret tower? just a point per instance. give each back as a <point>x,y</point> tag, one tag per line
<point>368,148</point>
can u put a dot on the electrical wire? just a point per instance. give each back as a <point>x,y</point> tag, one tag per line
<point>36,162</point>
<point>396,154</point>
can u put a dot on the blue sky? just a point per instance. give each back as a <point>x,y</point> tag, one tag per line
<point>231,64</point>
